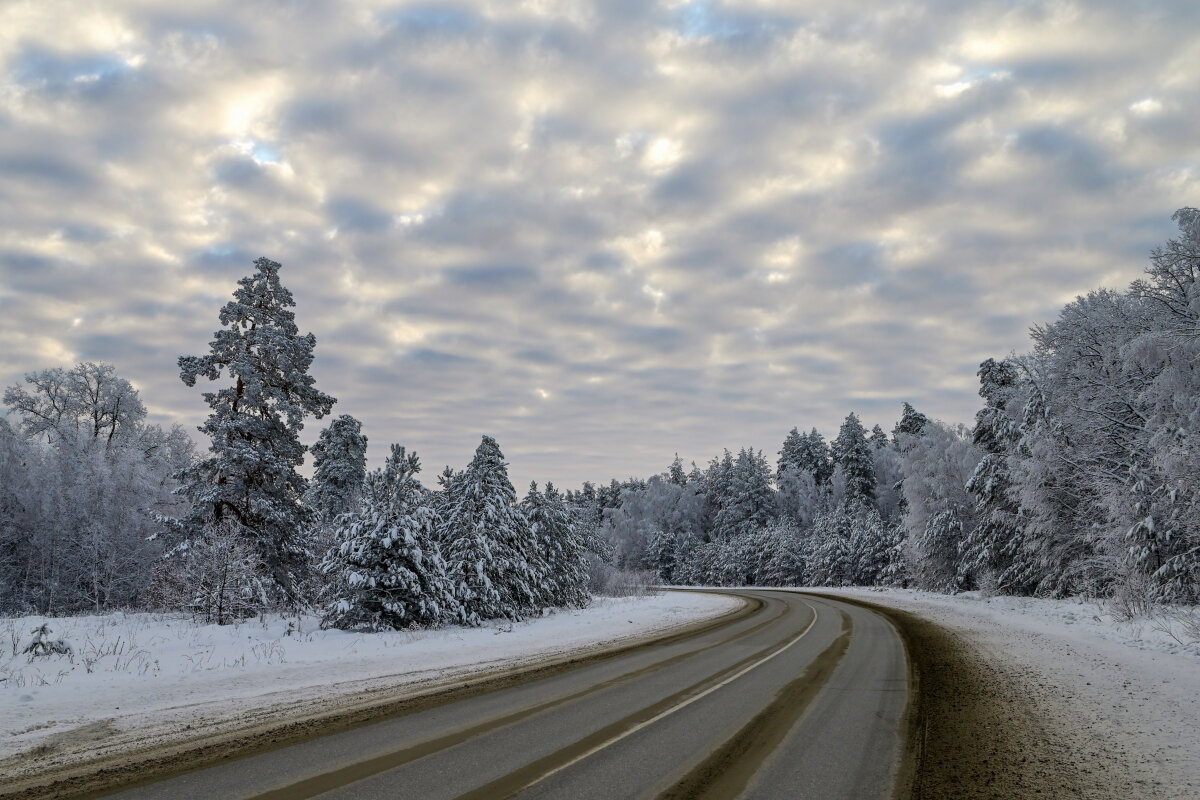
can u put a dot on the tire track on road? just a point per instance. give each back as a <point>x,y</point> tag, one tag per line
<point>328,781</point>
<point>543,768</point>
<point>728,770</point>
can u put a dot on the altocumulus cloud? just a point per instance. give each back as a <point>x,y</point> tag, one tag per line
<point>602,232</point>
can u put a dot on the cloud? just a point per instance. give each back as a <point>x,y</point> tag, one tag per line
<point>603,232</point>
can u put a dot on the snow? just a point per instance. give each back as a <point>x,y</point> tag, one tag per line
<point>163,675</point>
<point>1133,682</point>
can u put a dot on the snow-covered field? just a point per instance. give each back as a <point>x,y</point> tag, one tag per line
<point>161,675</point>
<point>1130,686</point>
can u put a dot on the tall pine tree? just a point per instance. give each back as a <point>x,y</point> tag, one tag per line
<point>852,453</point>
<point>250,483</point>
<point>490,554</point>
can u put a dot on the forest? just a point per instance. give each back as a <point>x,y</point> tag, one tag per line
<point>1079,475</point>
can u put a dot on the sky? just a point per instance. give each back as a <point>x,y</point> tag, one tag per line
<point>601,232</point>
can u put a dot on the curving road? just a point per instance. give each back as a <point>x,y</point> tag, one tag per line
<point>804,697</point>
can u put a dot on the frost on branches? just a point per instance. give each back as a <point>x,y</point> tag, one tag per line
<point>250,482</point>
<point>560,545</point>
<point>387,567</point>
<point>491,555</point>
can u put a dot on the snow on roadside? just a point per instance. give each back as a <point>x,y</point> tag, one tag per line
<point>146,670</point>
<point>1134,684</point>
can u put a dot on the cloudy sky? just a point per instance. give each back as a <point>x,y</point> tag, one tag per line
<point>602,232</point>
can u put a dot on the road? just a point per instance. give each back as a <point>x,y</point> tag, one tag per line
<point>803,698</point>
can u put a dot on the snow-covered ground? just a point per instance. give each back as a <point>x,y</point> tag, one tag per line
<point>1130,686</point>
<point>161,675</point>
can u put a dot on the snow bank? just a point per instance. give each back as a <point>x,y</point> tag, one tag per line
<point>1134,683</point>
<point>159,671</point>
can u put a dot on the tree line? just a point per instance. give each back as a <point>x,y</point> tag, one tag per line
<point>99,510</point>
<point>1081,473</point>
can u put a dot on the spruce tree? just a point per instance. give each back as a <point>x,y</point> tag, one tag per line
<point>561,549</point>
<point>912,423</point>
<point>791,455</point>
<point>813,456</point>
<point>489,551</point>
<point>675,473</point>
<point>852,453</point>
<point>879,438</point>
<point>388,571</point>
<point>250,482</point>
<point>992,550</point>
<point>748,500</point>
<point>339,468</point>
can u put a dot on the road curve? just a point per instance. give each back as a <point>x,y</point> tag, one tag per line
<point>804,698</point>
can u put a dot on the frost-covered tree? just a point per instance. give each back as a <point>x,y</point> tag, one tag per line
<point>88,400</point>
<point>878,438</point>
<point>747,500</point>
<point>675,473</point>
<point>912,423</point>
<point>82,483</point>
<point>791,454</point>
<point>992,551</point>
<point>250,480</point>
<point>562,551</point>
<point>936,465</point>
<point>798,499</point>
<point>853,455</point>
<point>660,506</point>
<point>388,570</point>
<point>783,555</point>
<point>339,468</point>
<point>490,554</point>
<point>807,453</point>
<point>662,552</point>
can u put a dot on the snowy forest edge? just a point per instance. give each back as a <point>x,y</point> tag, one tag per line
<point>1079,476</point>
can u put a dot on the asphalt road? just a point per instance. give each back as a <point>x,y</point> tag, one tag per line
<point>804,698</point>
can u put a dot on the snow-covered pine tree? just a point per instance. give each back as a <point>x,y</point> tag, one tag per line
<point>829,558</point>
<point>748,501</point>
<point>813,456</point>
<point>388,572</point>
<point>661,553</point>
<point>675,473</point>
<point>992,550</point>
<point>791,454</point>
<point>250,481</point>
<point>339,468</point>
<point>561,548</point>
<point>784,555</point>
<point>486,540</point>
<point>878,438</point>
<point>853,455</point>
<point>912,423</point>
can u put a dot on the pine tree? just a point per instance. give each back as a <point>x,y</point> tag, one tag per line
<point>339,468</point>
<point>662,552</point>
<point>813,456</point>
<point>791,455</point>
<point>675,473</point>
<point>489,551</point>
<point>912,423</point>
<point>852,453</point>
<point>748,500</point>
<point>879,438</point>
<point>389,572</point>
<point>561,548</point>
<point>992,550</point>
<point>250,481</point>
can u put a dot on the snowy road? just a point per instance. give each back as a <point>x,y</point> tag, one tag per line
<point>804,697</point>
